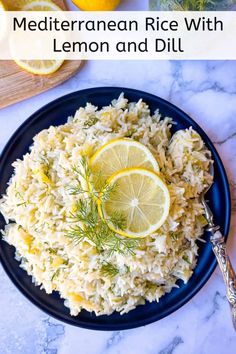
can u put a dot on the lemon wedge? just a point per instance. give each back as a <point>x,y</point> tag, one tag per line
<point>119,154</point>
<point>140,197</point>
<point>96,5</point>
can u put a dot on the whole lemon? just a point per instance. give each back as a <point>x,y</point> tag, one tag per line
<point>96,5</point>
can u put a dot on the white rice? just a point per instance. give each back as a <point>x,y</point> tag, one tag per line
<point>38,206</point>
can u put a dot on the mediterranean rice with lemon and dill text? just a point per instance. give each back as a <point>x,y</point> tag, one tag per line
<point>39,205</point>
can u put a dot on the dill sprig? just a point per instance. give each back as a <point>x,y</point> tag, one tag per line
<point>55,274</point>
<point>43,159</point>
<point>108,269</point>
<point>89,225</point>
<point>85,171</point>
<point>90,122</point>
<point>76,189</point>
<point>19,196</point>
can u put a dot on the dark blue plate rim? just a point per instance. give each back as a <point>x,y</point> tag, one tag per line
<point>209,271</point>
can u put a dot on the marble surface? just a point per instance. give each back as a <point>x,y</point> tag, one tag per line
<point>205,90</point>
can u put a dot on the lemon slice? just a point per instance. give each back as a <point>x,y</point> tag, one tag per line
<point>40,5</point>
<point>37,67</point>
<point>141,198</point>
<point>119,154</point>
<point>40,67</point>
<point>33,5</point>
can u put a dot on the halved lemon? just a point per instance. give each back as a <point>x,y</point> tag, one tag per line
<point>141,198</point>
<point>119,154</point>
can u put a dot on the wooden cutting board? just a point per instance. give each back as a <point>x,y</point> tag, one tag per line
<point>17,85</point>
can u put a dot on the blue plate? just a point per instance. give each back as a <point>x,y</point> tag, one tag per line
<point>56,113</point>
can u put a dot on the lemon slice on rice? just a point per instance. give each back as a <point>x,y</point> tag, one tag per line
<point>140,197</point>
<point>119,154</point>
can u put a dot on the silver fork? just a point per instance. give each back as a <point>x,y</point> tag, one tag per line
<point>219,248</point>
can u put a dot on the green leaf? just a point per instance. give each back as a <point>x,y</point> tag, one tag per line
<point>108,269</point>
<point>88,224</point>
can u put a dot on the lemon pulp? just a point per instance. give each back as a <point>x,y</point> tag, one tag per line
<point>37,67</point>
<point>119,154</point>
<point>141,198</point>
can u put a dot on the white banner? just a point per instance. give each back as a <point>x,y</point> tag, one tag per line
<point>118,35</point>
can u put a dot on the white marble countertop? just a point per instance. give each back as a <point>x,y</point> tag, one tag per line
<point>205,90</point>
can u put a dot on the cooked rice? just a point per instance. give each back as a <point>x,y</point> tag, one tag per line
<point>38,205</point>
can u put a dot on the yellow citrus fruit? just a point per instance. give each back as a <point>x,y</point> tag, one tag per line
<point>40,5</point>
<point>37,67</point>
<point>96,5</point>
<point>14,5</point>
<point>119,154</point>
<point>140,197</point>
<point>40,67</point>
<point>25,5</point>
<point>3,6</point>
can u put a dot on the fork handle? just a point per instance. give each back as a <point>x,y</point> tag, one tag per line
<point>219,248</point>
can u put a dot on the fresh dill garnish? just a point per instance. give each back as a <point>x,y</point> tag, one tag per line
<point>90,122</point>
<point>174,236</point>
<point>89,225</point>
<point>43,159</point>
<point>84,172</point>
<point>21,199</point>
<point>74,190</point>
<point>46,164</point>
<point>20,204</point>
<point>118,220</point>
<point>105,192</point>
<point>55,274</point>
<point>108,269</point>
